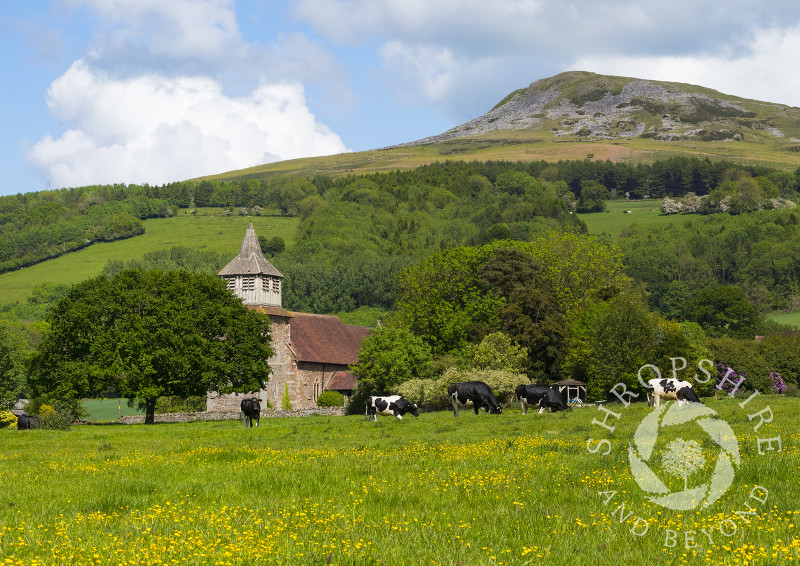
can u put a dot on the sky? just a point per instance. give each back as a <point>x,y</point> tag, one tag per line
<point>154,91</point>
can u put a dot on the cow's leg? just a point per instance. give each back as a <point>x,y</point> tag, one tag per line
<point>656,400</point>
<point>258,418</point>
<point>399,416</point>
<point>454,401</point>
<point>477,408</point>
<point>523,404</point>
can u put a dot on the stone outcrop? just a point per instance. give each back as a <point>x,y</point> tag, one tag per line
<point>598,107</point>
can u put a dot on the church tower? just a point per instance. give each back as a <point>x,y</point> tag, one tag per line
<point>312,352</point>
<point>250,276</point>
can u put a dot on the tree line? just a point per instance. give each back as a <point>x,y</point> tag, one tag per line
<point>440,205</point>
<point>558,306</point>
<point>452,254</point>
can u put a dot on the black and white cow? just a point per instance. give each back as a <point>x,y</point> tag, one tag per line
<point>27,422</point>
<point>390,405</point>
<point>545,396</point>
<point>251,409</point>
<point>672,389</point>
<point>475,393</point>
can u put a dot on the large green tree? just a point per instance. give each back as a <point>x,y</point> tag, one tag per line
<point>723,310</point>
<point>12,377</point>
<point>531,315</point>
<point>613,339</point>
<point>149,334</point>
<point>389,357</point>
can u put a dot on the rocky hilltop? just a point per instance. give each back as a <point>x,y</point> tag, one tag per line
<point>580,105</point>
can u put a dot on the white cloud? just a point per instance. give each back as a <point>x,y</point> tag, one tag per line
<point>155,129</point>
<point>459,54</point>
<point>196,29</point>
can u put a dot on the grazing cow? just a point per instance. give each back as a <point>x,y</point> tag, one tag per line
<point>672,389</point>
<point>475,393</point>
<point>251,409</point>
<point>545,396</point>
<point>390,405</point>
<point>27,422</point>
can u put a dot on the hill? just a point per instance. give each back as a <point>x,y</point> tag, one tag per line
<point>580,105</point>
<point>580,115</point>
<point>564,144</point>
<point>208,231</point>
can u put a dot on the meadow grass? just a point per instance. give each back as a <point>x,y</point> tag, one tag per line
<point>789,318</point>
<point>204,231</point>
<point>644,212</point>
<point>108,409</point>
<point>491,489</point>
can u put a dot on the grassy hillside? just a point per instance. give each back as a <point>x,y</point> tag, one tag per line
<point>579,115</point>
<point>205,231</point>
<point>519,146</point>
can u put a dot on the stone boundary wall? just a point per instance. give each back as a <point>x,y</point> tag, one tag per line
<point>229,415</point>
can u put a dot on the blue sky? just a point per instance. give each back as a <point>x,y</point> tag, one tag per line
<point>136,91</point>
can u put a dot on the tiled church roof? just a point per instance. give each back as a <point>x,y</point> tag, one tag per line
<point>325,339</point>
<point>272,310</point>
<point>341,381</point>
<point>250,260</point>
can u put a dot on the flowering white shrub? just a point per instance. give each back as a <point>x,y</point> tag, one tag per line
<point>692,202</point>
<point>502,382</point>
<point>669,206</point>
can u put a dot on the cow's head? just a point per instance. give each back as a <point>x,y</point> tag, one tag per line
<point>412,408</point>
<point>497,410</point>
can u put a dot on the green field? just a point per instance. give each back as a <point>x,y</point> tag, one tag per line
<point>205,231</point>
<point>643,212</point>
<point>108,409</point>
<point>485,490</point>
<point>790,318</point>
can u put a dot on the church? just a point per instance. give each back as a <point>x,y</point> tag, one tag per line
<point>313,352</point>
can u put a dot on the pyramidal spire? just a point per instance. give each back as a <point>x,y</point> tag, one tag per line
<point>251,260</point>
<point>250,245</point>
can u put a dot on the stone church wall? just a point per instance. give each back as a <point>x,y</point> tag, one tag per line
<point>305,380</point>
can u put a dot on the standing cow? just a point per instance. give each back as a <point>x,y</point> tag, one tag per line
<point>251,409</point>
<point>27,422</point>
<point>672,389</point>
<point>545,396</point>
<point>475,393</point>
<point>390,405</point>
